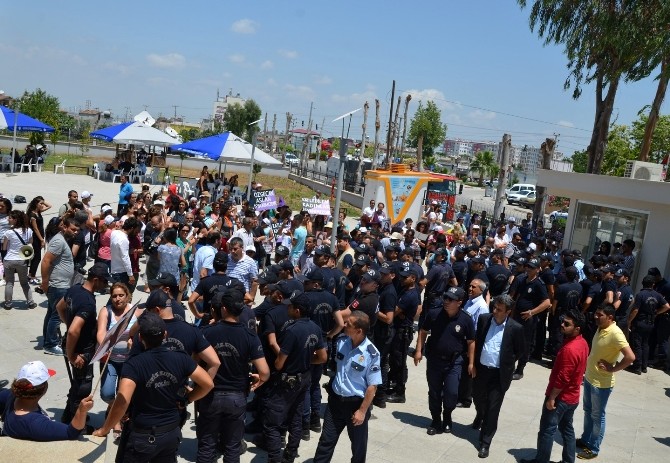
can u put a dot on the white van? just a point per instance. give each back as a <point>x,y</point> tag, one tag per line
<point>518,189</point>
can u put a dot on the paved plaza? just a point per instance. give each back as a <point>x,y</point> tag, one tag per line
<point>638,413</point>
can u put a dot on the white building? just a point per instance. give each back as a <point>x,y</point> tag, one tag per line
<point>221,104</point>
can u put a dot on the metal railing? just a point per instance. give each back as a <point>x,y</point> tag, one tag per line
<point>351,184</point>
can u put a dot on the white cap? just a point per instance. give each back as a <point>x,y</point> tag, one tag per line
<point>363,230</point>
<point>85,195</point>
<point>512,219</point>
<point>432,215</point>
<point>106,208</point>
<point>328,225</point>
<point>159,202</point>
<point>250,248</point>
<point>434,203</point>
<point>397,236</point>
<point>533,246</point>
<point>439,229</point>
<point>109,219</point>
<point>35,372</point>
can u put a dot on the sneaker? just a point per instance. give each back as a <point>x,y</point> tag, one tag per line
<point>35,281</point>
<point>7,305</point>
<point>56,350</point>
<point>580,443</point>
<point>587,454</point>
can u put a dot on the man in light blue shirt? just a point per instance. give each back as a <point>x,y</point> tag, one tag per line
<point>351,390</point>
<point>299,237</point>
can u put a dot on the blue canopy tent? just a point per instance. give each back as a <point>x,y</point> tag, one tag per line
<point>19,122</point>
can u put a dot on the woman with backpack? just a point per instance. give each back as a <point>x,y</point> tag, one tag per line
<point>15,264</point>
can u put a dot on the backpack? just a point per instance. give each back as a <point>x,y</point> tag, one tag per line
<point>94,246</point>
<point>18,199</point>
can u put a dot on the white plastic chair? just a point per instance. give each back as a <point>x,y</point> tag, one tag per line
<point>115,176</point>
<point>186,190</point>
<point>60,166</point>
<point>27,166</point>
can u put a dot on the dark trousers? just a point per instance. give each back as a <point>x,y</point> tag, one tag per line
<point>658,340</point>
<point>313,393</point>
<point>338,416</point>
<point>540,335</point>
<point>284,405</point>
<point>529,338</point>
<point>465,385</point>
<point>443,378</point>
<point>398,358</point>
<point>50,334</point>
<point>35,262</point>
<point>81,385</point>
<point>560,418</point>
<point>220,416</point>
<point>639,340</point>
<point>555,336</point>
<point>488,397</point>
<point>382,339</point>
<point>154,448</point>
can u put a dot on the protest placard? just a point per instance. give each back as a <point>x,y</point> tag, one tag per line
<point>263,200</point>
<point>316,206</point>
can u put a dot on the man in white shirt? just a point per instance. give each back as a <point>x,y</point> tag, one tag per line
<point>121,269</point>
<point>370,211</point>
<point>511,228</point>
<point>242,267</point>
<point>203,262</point>
<point>246,233</point>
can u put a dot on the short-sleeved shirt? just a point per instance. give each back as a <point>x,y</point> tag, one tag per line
<point>625,295</point>
<point>299,235</point>
<point>180,336</point>
<point>158,375</point>
<point>63,264</point>
<point>568,296</point>
<point>647,302</point>
<point>448,335</point>
<point>245,270</point>
<point>80,302</point>
<point>438,278</point>
<point>357,368</point>
<point>408,302</point>
<point>498,277</point>
<point>236,345</point>
<point>530,294</point>
<point>14,242</point>
<point>80,240</point>
<point>322,308</point>
<point>460,268</point>
<point>367,303</point>
<point>301,339</point>
<point>388,298</point>
<point>204,258</point>
<point>211,285</point>
<point>606,345</point>
<point>169,260</point>
<point>341,282</point>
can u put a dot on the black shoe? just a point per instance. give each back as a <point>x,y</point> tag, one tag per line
<point>447,427</point>
<point>289,456</point>
<point>396,399</point>
<point>477,423</point>
<point>243,447</point>
<point>483,451</point>
<point>380,403</point>
<point>463,405</point>
<point>305,433</point>
<point>434,428</point>
<point>315,422</point>
<point>579,443</point>
<point>516,377</point>
<point>644,370</point>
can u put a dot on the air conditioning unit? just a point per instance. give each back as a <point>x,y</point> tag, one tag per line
<point>644,171</point>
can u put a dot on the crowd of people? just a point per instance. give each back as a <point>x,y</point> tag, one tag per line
<point>477,298</point>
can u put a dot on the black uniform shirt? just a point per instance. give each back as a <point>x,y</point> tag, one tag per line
<point>498,277</point>
<point>158,375</point>
<point>341,282</point>
<point>180,336</point>
<point>529,293</point>
<point>80,302</point>
<point>408,304</point>
<point>368,303</point>
<point>209,286</point>
<point>236,345</point>
<point>596,295</point>
<point>460,268</point>
<point>322,306</point>
<point>388,298</point>
<point>568,296</point>
<point>647,302</point>
<point>248,318</point>
<point>448,335</point>
<point>328,279</point>
<point>625,295</point>
<point>301,338</point>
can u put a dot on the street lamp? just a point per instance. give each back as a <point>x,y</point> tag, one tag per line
<point>253,150</point>
<point>340,176</point>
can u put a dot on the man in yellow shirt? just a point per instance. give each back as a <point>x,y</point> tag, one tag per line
<point>608,342</point>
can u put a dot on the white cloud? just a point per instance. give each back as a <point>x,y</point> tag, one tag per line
<point>482,115</point>
<point>169,60</point>
<point>566,123</point>
<point>323,80</point>
<point>117,68</point>
<point>267,64</point>
<point>244,26</point>
<point>300,91</point>
<point>237,58</point>
<point>290,54</point>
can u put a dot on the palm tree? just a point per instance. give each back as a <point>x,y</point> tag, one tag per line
<point>484,164</point>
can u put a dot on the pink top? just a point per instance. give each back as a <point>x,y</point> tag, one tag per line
<point>105,251</point>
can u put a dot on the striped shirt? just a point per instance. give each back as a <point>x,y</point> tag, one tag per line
<point>244,270</point>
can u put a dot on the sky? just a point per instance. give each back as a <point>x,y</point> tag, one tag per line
<point>477,60</point>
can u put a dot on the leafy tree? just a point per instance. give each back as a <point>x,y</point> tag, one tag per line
<point>619,150</point>
<point>483,163</point>
<point>189,134</point>
<point>426,131</point>
<point>238,118</point>
<point>659,145</point>
<point>580,161</point>
<point>42,106</point>
<point>605,41</point>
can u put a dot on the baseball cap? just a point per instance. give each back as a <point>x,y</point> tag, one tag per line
<point>386,268</point>
<point>608,269</point>
<point>392,248</point>
<point>371,275</point>
<point>407,252</point>
<point>406,270</point>
<point>85,195</point>
<point>227,298</point>
<point>460,248</point>
<point>362,260</point>
<point>533,263</point>
<point>268,277</point>
<point>397,236</point>
<point>158,298</point>
<point>362,248</point>
<point>546,256</point>
<point>163,279</point>
<point>106,208</point>
<point>344,237</point>
<point>363,230</point>
<point>622,272</point>
<point>220,258</point>
<point>100,270</point>
<point>455,293</point>
<point>281,250</point>
<point>313,274</point>
<point>36,373</point>
<point>298,299</point>
<point>109,220</point>
<point>654,271</point>
<point>285,265</point>
<point>328,225</point>
<point>284,287</point>
<point>511,219</point>
<point>251,248</point>
<point>478,260</point>
<point>497,251</point>
<point>151,324</point>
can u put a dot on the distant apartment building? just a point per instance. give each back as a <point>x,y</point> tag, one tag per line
<point>457,147</point>
<point>221,105</point>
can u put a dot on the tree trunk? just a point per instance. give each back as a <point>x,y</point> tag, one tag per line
<point>604,107</point>
<point>547,150</point>
<point>404,133</point>
<point>419,149</point>
<point>377,127</point>
<point>654,112</point>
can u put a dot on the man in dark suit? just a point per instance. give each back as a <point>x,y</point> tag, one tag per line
<point>499,343</point>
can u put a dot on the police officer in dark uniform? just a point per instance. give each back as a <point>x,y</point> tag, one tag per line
<point>281,253</point>
<point>384,331</point>
<point>498,274</point>
<point>658,340</point>
<point>549,279</point>
<point>437,280</point>
<point>568,297</point>
<point>403,321</point>
<point>286,272</point>
<point>208,287</point>
<point>367,299</point>
<point>351,391</point>
<point>301,346</point>
<point>324,310</point>
<point>361,266</point>
<point>531,297</point>
<point>321,258</point>
<point>152,380</point>
<point>452,336</point>
<point>459,265</point>
<point>221,412</point>
<point>648,305</point>
<point>623,298</point>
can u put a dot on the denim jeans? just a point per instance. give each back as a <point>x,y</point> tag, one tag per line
<point>51,324</point>
<point>560,418</point>
<point>595,401</point>
<point>109,381</point>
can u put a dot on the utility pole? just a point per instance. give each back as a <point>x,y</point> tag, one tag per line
<point>502,176</point>
<point>265,131</point>
<point>274,133</point>
<point>395,124</point>
<point>388,134</point>
<point>175,111</point>
<point>397,140</point>
<point>364,127</point>
<point>377,127</point>
<point>408,98</point>
<point>304,157</point>
<point>547,149</point>
<point>318,150</point>
<point>289,116</point>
